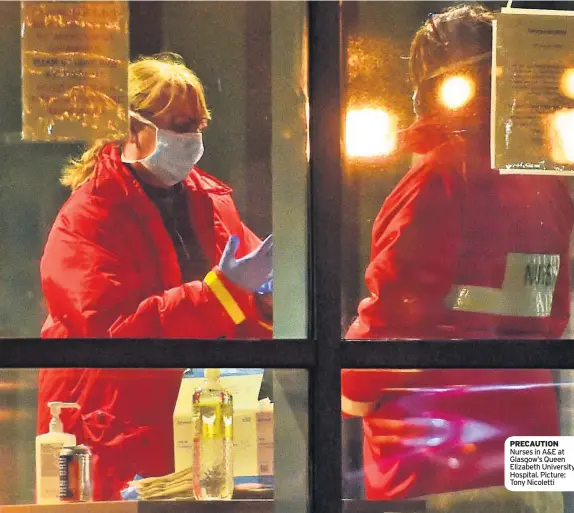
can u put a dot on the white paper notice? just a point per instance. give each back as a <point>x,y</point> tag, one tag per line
<point>533,92</point>
<point>539,463</point>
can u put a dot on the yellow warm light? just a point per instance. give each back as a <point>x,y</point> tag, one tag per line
<point>456,92</point>
<point>563,136</point>
<point>567,83</point>
<point>370,132</point>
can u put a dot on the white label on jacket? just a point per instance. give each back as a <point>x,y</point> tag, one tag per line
<point>539,463</point>
<point>527,289</point>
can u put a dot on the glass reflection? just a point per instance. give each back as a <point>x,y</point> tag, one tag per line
<point>439,434</point>
<point>567,83</point>
<point>562,136</point>
<point>456,92</point>
<point>370,132</point>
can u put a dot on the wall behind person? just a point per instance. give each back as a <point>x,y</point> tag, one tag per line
<point>228,46</point>
<point>30,194</point>
<point>30,197</point>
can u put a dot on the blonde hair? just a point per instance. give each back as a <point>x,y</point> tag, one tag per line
<point>154,83</point>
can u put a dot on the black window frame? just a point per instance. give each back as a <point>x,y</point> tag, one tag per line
<point>322,353</point>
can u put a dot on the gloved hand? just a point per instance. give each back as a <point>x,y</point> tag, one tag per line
<point>266,288</point>
<point>251,271</point>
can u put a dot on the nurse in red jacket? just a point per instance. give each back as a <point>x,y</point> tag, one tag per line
<point>147,245</point>
<point>458,251</point>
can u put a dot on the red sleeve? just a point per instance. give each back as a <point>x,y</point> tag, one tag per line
<point>91,288</point>
<point>414,251</point>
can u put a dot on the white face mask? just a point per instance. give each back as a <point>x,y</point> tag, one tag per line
<point>174,154</point>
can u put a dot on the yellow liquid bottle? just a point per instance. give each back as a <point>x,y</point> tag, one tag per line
<point>213,440</point>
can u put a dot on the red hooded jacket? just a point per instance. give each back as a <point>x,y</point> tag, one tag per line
<point>458,251</point>
<point>110,270</point>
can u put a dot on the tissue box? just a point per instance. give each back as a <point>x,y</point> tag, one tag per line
<point>265,447</point>
<point>253,445</point>
<point>252,424</point>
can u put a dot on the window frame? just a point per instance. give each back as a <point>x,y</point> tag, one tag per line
<point>322,353</point>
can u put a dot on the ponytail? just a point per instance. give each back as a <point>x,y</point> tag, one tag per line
<point>80,170</point>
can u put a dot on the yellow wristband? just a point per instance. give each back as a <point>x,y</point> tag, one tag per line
<point>266,325</point>
<point>224,297</point>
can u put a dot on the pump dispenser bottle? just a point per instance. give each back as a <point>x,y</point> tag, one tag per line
<point>48,446</point>
<point>213,440</point>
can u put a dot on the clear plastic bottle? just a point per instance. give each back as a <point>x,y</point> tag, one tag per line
<point>213,440</point>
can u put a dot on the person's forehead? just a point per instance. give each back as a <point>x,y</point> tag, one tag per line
<point>184,107</point>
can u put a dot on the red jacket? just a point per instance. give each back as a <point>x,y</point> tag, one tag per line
<point>459,251</point>
<point>109,269</point>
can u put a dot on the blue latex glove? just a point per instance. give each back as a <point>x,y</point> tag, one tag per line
<point>266,288</point>
<point>131,493</point>
<point>251,271</point>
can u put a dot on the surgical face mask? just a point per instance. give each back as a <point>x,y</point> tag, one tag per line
<point>174,154</point>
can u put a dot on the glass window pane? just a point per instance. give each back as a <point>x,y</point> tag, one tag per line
<point>133,251</point>
<point>143,422</point>
<point>436,436</point>
<point>258,94</point>
<point>437,245</point>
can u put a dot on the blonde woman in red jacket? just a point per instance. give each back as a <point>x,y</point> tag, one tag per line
<point>147,245</point>
<point>458,252</point>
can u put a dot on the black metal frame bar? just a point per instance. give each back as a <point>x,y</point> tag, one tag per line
<point>325,122</point>
<point>460,354</point>
<point>149,353</point>
<point>285,354</point>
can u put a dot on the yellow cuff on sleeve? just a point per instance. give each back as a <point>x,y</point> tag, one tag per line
<point>356,408</point>
<point>266,325</point>
<point>224,297</point>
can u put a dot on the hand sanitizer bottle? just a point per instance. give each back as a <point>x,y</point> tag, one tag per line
<point>213,440</point>
<point>48,448</point>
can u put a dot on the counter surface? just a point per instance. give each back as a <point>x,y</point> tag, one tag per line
<point>234,506</point>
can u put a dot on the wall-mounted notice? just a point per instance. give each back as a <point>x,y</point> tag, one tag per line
<point>533,92</point>
<point>75,59</point>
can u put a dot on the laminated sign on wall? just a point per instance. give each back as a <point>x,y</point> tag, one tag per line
<point>75,59</point>
<point>533,92</point>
